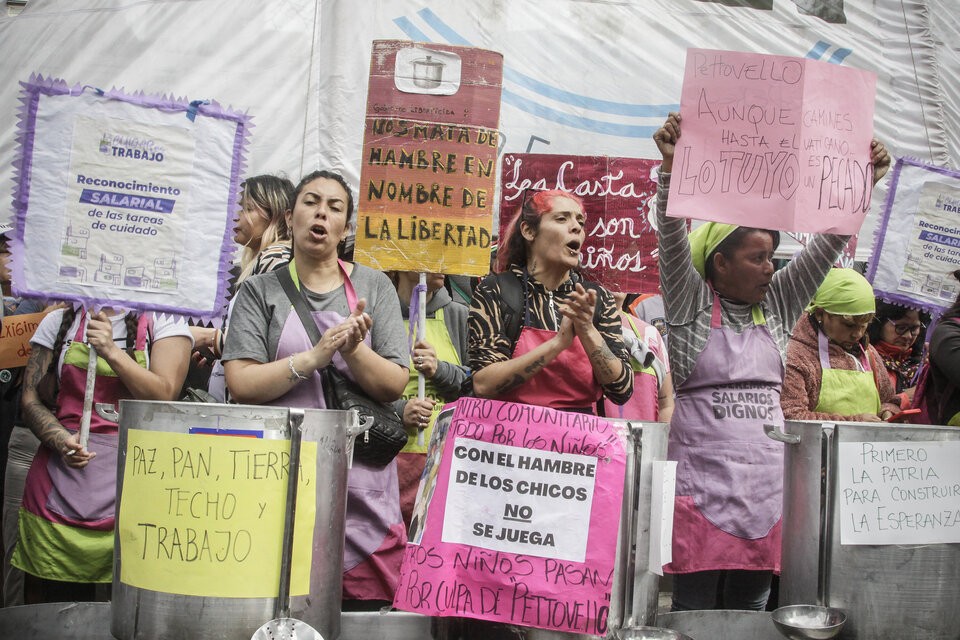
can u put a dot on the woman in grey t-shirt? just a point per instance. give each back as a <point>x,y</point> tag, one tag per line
<point>270,359</point>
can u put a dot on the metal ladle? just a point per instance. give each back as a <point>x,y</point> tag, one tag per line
<point>808,621</point>
<point>283,626</point>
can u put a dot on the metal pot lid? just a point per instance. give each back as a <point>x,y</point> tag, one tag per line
<point>428,62</point>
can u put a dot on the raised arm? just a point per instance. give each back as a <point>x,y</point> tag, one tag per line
<point>684,291</point>
<point>794,285</point>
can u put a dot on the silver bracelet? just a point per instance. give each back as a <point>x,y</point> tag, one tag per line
<point>294,374</point>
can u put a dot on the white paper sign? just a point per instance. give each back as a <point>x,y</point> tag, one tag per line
<point>899,492</point>
<point>933,252</point>
<point>112,226</point>
<point>519,500</point>
<point>917,244</point>
<point>664,483</point>
<point>125,200</point>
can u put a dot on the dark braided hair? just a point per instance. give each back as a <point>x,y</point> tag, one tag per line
<point>69,314</point>
<point>130,321</point>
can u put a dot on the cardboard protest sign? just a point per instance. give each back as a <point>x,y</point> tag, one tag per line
<point>620,251</point>
<point>902,493</point>
<point>517,518</point>
<point>15,338</point>
<point>125,199</point>
<point>428,172</point>
<point>774,142</point>
<point>917,243</point>
<point>203,515</point>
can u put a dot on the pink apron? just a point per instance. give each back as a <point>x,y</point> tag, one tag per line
<point>82,499</point>
<point>729,474</point>
<point>644,404</point>
<point>557,385</point>
<point>375,536</point>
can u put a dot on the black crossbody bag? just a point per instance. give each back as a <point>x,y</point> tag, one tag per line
<point>384,440</point>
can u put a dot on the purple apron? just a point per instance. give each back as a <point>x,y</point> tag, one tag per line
<point>729,474</point>
<point>64,506</point>
<point>374,538</point>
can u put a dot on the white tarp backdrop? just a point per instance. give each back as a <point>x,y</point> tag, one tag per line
<point>580,77</point>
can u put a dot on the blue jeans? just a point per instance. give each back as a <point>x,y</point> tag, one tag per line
<point>746,590</point>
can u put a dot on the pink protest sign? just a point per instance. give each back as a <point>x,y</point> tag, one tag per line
<point>517,518</point>
<point>774,142</point>
<point>620,251</point>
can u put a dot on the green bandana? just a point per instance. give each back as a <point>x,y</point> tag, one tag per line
<point>844,292</point>
<point>704,239</point>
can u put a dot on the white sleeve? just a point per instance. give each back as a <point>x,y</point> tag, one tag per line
<point>46,333</point>
<point>655,344</point>
<point>167,326</point>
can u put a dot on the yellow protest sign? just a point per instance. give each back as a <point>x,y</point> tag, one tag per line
<point>203,515</point>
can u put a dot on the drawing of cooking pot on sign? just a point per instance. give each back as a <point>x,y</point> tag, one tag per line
<point>427,71</point>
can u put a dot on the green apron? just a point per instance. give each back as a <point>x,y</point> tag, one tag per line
<point>439,338</point>
<point>845,392</point>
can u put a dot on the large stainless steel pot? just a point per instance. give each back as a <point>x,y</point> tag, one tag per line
<point>633,601</point>
<point>887,591</point>
<point>91,621</point>
<point>721,624</point>
<point>635,589</point>
<point>144,614</point>
<point>633,597</point>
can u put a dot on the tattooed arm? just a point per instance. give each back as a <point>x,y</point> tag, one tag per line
<point>498,378</point>
<point>495,370</point>
<point>599,338</point>
<point>41,420</point>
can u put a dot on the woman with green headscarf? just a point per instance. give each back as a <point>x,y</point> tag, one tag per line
<point>730,317</point>
<point>832,373</point>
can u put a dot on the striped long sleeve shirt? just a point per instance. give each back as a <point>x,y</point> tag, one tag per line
<point>688,299</point>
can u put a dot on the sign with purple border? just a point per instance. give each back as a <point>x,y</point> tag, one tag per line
<point>917,244</point>
<point>125,200</point>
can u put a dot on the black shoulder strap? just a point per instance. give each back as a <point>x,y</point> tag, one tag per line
<point>511,293</point>
<point>313,331</point>
<point>299,304</point>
